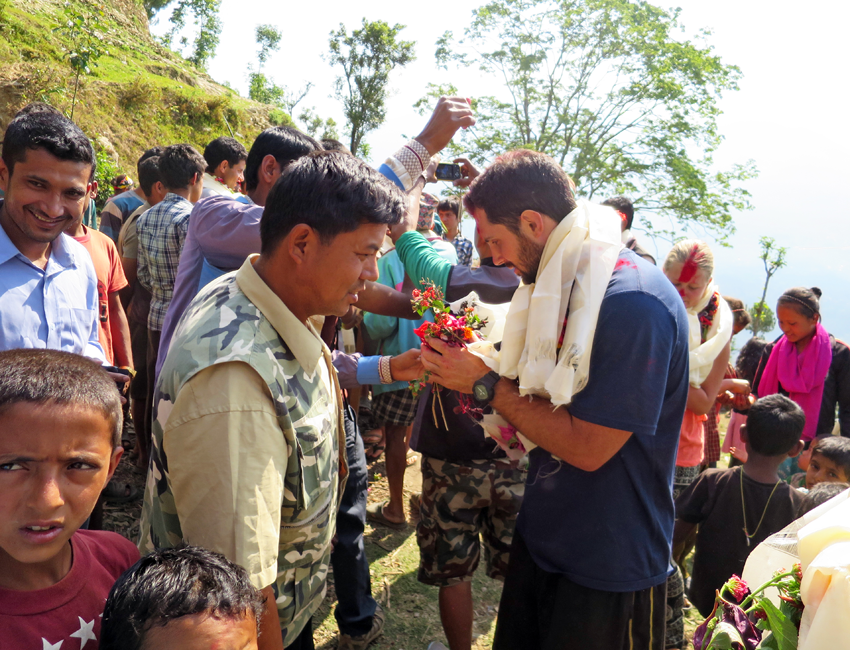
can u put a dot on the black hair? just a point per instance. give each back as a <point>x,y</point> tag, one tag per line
<point>624,205</point>
<point>332,193</point>
<point>517,181</point>
<point>150,153</point>
<point>449,205</point>
<point>44,129</point>
<point>774,425</point>
<point>284,143</point>
<point>332,144</point>
<point>820,494</point>
<point>740,315</point>
<point>149,174</point>
<point>747,363</point>
<point>805,302</point>
<point>44,377</point>
<point>38,107</point>
<point>171,583</point>
<point>224,148</point>
<point>836,449</point>
<point>178,164</point>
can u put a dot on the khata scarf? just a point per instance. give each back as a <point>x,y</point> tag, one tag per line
<point>575,269</point>
<point>703,353</point>
<point>801,375</point>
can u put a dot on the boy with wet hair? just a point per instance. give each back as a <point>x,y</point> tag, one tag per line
<point>187,598</point>
<point>738,508</point>
<point>60,442</point>
<point>830,461</point>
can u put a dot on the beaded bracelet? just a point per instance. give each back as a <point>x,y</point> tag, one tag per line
<point>385,371</point>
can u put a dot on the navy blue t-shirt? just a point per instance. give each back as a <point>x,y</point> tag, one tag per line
<point>611,529</point>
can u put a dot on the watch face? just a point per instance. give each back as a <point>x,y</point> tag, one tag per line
<point>480,392</point>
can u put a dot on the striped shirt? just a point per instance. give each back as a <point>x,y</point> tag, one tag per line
<point>161,232</point>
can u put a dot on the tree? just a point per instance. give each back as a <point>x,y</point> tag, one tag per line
<point>773,258</point>
<point>610,90</point>
<point>85,31</point>
<point>205,19</point>
<point>367,57</point>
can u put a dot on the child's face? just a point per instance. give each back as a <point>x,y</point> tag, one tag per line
<point>202,632</point>
<point>823,470</point>
<point>54,462</point>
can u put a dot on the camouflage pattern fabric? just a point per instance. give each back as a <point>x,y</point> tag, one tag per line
<point>223,325</point>
<point>459,501</point>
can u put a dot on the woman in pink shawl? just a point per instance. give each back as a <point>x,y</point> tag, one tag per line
<point>807,364</point>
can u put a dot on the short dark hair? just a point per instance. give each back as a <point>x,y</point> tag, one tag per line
<point>40,376</point>
<point>332,144</point>
<point>171,583</point>
<point>517,181</point>
<point>805,302</point>
<point>747,364</point>
<point>224,148</point>
<point>149,174</point>
<point>53,132</point>
<point>178,164</point>
<point>449,205</point>
<point>624,205</point>
<point>820,494</point>
<point>38,107</point>
<point>740,315</point>
<point>285,143</point>
<point>774,425</point>
<point>332,193</point>
<point>836,449</point>
<point>149,153</point>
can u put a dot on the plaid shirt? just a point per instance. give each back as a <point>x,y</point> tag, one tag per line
<point>161,231</point>
<point>464,250</point>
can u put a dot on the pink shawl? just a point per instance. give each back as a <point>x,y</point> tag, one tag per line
<point>801,375</point>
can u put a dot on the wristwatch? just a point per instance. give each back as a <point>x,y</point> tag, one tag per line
<point>484,390</point>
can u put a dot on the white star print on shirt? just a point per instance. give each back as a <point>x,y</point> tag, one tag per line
<point>85,633</point>
<point>46,645</point>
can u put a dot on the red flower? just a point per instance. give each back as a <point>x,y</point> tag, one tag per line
<point>738,587</point>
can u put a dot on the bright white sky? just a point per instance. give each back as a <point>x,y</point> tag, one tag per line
<point>790,116</point>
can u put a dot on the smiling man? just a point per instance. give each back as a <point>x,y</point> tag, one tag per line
<point>593,370</point>
<point>48,286</point>
<point>248,435</point>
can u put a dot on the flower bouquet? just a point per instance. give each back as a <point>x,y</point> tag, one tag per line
<point>742,620</point>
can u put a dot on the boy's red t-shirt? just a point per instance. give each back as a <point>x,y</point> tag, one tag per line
<point>110,278</point>
<point>68,614</point>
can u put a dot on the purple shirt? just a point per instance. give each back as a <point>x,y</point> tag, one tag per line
<point>222,230</point>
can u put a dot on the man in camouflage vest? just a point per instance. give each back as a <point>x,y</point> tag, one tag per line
<point>248,452</point>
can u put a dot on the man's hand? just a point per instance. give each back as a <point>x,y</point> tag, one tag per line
<point>468,173</point>
<point>456,368</point>
<point>450,114</point>
<point>407,366</point>
<point>412,217</point>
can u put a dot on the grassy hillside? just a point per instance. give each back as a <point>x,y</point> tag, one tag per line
<point>139,95</point>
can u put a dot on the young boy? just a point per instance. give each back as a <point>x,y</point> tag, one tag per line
<point>182,598</point>
<point>738,508</point>
<point>60,441</point>
<point>830,462</point>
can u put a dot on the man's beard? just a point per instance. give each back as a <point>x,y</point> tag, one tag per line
<point>530,254</point>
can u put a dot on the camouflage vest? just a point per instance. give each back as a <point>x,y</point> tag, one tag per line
<point>226,326</point>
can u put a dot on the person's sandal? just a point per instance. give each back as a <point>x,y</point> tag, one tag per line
<point>375,514</point>
<point>347,642</point>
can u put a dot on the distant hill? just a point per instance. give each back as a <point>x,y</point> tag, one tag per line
<point>139,95</point>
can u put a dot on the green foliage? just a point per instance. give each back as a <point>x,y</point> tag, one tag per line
<point>84,28</point>
<point>205,20</point>
<point>317,127</point>
<point>268,38</point>
<point>367,56</point>
<point>107,169</point>
<point>773,258</point>
<point>612,91</point>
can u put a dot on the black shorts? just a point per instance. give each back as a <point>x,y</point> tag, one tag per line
<point>548,611</point>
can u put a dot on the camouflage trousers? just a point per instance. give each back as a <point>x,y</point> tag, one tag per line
<point>460,501</point>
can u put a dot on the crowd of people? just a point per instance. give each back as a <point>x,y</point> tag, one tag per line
<point>211,307</point>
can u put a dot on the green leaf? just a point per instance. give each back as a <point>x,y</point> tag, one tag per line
<point>725,634</point>
<point>781,628</point>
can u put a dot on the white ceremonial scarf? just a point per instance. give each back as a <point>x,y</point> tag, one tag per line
<point>575,269</point>
<point>702,355</point>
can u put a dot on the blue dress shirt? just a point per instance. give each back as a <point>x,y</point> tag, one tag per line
<point>55,307</point>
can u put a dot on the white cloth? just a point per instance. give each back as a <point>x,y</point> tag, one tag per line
<point>575,269</point>
<point>702,355</point>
